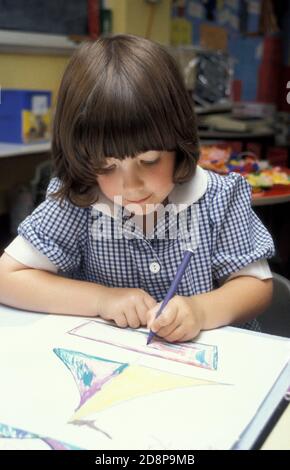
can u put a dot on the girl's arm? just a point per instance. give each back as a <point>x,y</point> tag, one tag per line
<point>237,301</point>
<point>42,291</point>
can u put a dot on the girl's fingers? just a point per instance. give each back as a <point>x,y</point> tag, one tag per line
<point>151,314</point>
<point>121,320</point>
<point>149,302</point>
<point>132,318</point>
<point>166,319</point>
<point>176,335</point>
<point>186,337</point>
<point>167,330</point>
<point>142,311</point>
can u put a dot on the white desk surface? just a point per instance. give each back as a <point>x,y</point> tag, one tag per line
<point>10,317</point>
<point>13,317</point>
<point>12,150</point>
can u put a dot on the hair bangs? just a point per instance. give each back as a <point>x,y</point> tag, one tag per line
<point>131,121</point>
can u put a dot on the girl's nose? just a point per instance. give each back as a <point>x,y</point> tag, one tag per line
<point>132,180</point>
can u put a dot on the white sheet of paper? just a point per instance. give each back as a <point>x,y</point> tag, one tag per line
<point>39,393</point>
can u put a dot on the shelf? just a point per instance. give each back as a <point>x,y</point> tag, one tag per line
<point>13,150</point>
<point>35,43</point>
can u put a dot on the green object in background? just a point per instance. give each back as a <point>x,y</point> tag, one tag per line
<point>106,21</point>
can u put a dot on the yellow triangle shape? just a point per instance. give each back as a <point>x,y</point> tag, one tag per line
<point>133,382</point>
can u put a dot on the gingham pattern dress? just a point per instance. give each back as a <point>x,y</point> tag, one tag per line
<point>86,244</point>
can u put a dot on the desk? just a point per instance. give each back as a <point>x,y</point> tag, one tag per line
<point>269,438</point>
<point>38,350</point>
<point>276,195</point>
<point>279,438</point>
<point>272,207</point>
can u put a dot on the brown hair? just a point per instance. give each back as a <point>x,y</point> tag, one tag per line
<point>120,96</point>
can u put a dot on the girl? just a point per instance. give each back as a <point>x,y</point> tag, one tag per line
<point>128,198</point>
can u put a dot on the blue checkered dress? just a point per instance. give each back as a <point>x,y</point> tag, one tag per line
<point>88,245</point>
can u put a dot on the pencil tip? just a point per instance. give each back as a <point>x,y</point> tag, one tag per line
<point>149,339</point>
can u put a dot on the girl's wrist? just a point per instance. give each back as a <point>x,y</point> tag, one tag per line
<point>199,311</point>
<point>101,296</point>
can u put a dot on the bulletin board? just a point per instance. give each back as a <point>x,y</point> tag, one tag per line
<point>42,16</point>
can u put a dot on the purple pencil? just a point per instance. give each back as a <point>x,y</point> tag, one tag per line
<point>173,287</point>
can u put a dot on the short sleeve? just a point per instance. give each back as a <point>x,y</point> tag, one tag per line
<point>57,229</point>
<point>238,236</point>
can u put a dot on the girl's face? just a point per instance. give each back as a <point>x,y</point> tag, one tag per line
<point>144,180</point>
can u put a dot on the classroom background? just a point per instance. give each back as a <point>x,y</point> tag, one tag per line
<point>235,59</point>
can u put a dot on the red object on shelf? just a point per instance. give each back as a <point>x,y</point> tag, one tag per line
<point>254,148</point>
<point>272,49</point>
<point>270,71</point>
<point>277,156</point>
<point>236,145</point>
<point>269,82</point>
<point>93,18</point>
<point>236,90</point>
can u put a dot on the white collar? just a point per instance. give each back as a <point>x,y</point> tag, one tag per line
<point>182,195</point>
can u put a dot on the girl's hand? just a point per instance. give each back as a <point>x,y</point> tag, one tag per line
<point>125,306</point>
<point>181,320</point>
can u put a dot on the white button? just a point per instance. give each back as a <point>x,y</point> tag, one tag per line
<point>154,267</point>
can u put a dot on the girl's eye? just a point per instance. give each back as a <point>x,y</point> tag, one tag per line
<point>150,162</point>
<point>107,169</point>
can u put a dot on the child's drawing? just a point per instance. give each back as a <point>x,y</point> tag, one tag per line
<point>14,438</point>
<point>103,383</point>
<point>196,354</point>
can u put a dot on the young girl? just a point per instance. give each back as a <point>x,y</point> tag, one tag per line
<point>128,198</point>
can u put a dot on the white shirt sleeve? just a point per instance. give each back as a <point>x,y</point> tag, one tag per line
<point>24,252</point>
<point>259,269</point>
